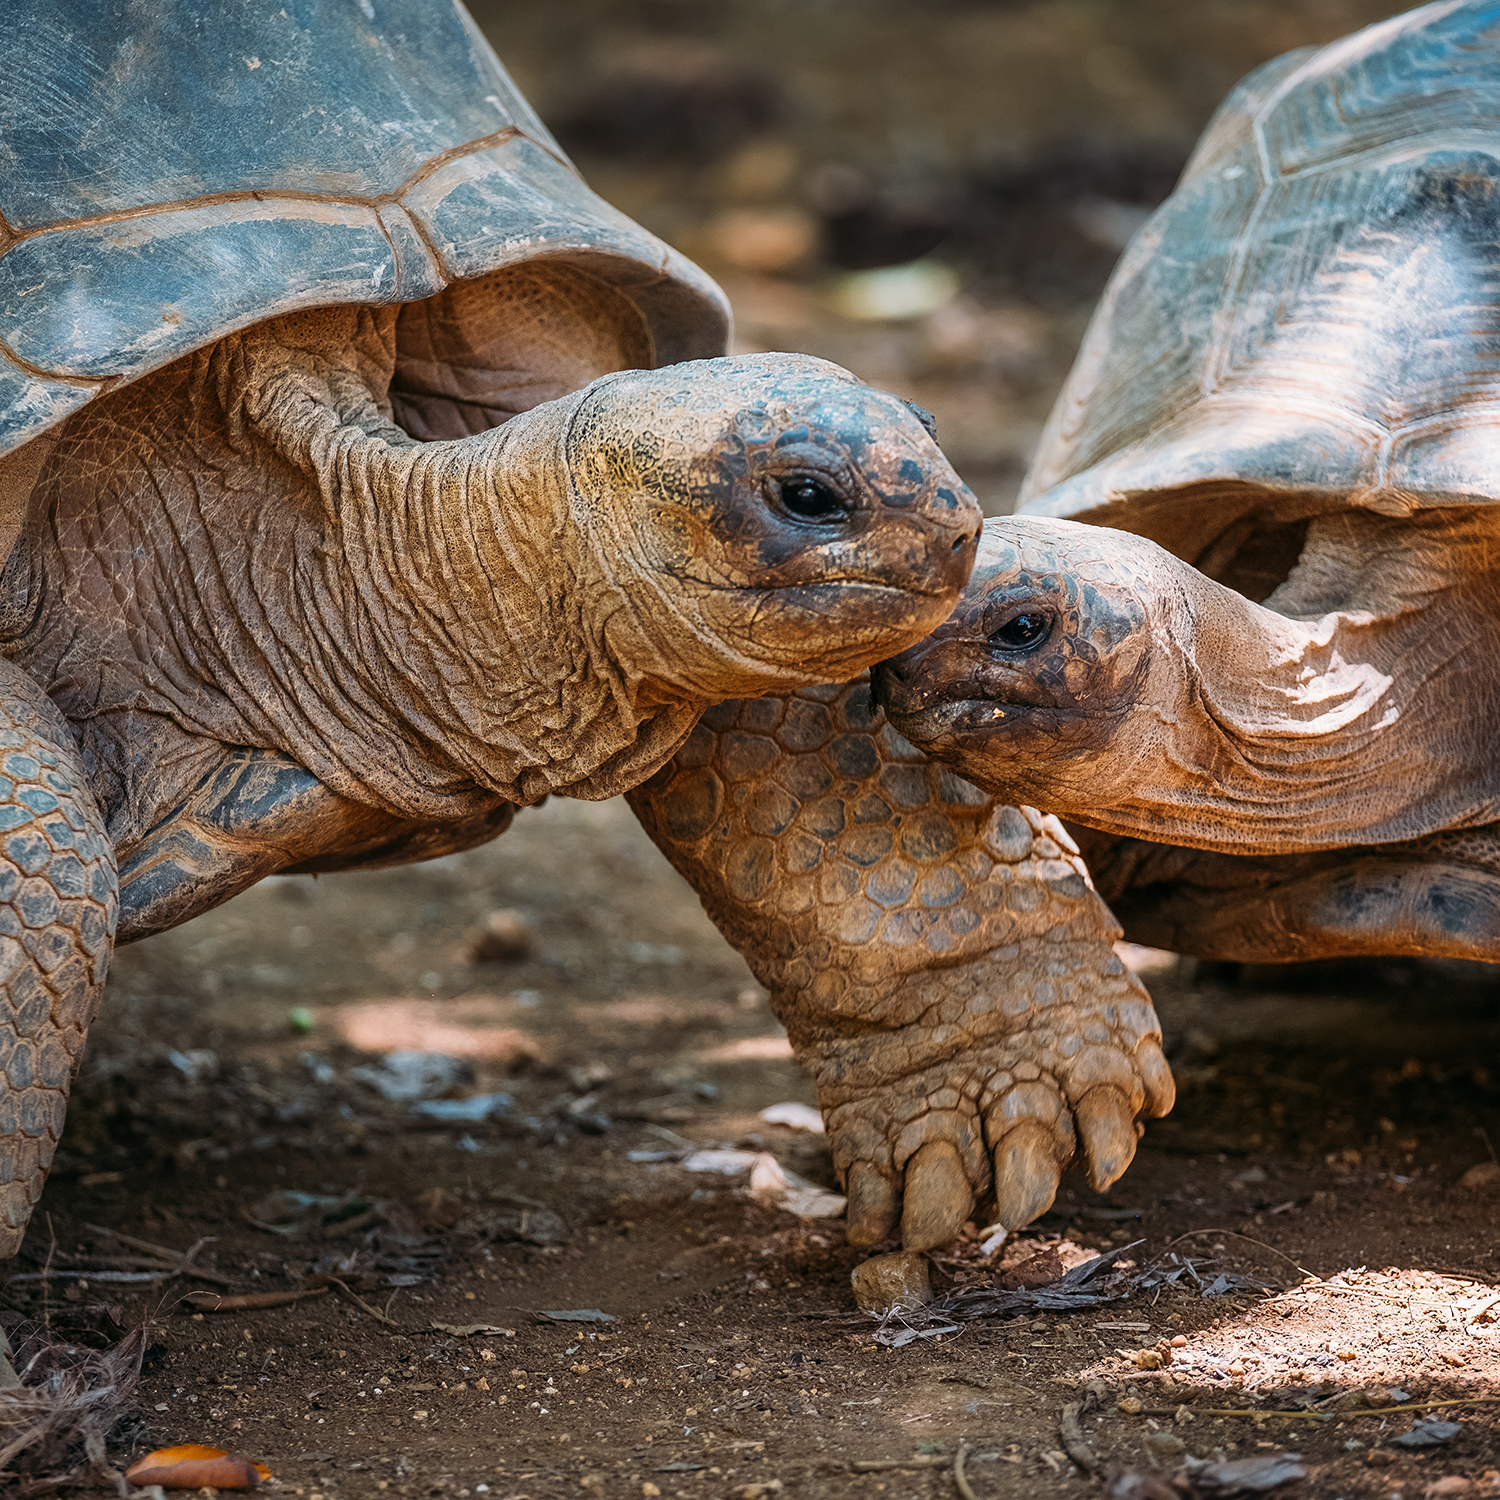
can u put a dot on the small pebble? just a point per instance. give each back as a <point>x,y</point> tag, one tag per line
<point>886,1281</point>
<point>506,937</point>
<point>1427,1435</point>
<point>1180,1341</point>
<point>1130,1404</point>
<point>1449,1484</point>
<point>1164,1444</point>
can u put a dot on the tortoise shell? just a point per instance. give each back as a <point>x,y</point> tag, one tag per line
<point>1312,319</point>
<point>172,172</point>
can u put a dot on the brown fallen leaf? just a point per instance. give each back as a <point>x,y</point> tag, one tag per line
<point>248,1301</point>
<point>1041,1269</point>
<point>439,1209</point>
<point>191,1466</point>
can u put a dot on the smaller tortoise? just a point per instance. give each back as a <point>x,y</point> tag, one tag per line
<point>1276,643</point>
<point>343,512</point>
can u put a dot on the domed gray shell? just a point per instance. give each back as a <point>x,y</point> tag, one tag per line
<point>1312,318</point>
<point>171,170</point>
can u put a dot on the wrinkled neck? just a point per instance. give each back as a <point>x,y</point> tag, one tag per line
<point>1276,688</point>
<point>1265,732</point>
<point>484,612</point>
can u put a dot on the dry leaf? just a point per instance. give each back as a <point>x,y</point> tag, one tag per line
<point>248,1301</point>
<point>191,1466</point>
<point>1041,1269</point>
<point>439,1209</point>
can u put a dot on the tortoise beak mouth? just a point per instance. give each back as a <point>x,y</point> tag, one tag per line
<point>949,684</point>
<point>843,621</point>
<point>871,581</point>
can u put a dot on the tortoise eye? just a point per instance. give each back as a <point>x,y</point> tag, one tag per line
<point>1029,628</point>
<point>809,499</point>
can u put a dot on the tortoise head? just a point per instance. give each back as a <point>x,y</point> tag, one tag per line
<point>1091,672</point>
<point>773,519</point>
<point>1031,684</point>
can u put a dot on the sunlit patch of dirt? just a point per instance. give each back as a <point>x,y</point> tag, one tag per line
<point>469,1026</point>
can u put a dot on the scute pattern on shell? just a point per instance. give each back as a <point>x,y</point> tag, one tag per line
<point>58,907</point>
<point>1314,308</point>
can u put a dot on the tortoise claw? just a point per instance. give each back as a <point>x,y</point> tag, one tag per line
<point>1026,1174</point>
<point>872,1204</point>
<point>937,1197</point>
<point>1107,1130</point>
<point>1156,1076</point>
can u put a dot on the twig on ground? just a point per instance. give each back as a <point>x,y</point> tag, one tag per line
<point>177,1262</point>
<point>46,1274</point>
<point>161,1252</point>
<point>153,1278</point>
<point>211,1302</point>
<point>1074,1443</point>
<point>960,1482</point>
<point>1249,1240</point>
<point>916,1461</point>
<point>358,1301</point>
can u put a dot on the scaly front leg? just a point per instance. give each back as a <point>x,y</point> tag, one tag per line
<point>940,961</point>
<point>58,906</point>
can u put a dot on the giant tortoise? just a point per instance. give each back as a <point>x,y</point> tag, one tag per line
<point>1244,627</point>
<point>296,309</point>
<point>355,491</point>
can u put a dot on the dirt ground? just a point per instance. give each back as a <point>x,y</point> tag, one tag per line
<point>1323,1125</point>
<point>1332,1123</point>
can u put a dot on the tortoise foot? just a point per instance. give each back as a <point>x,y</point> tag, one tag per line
<point>943,966</point>
<point>1055,1052</point>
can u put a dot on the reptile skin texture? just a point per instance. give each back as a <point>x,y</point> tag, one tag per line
<point>58,906</point>
<point>941,962</point>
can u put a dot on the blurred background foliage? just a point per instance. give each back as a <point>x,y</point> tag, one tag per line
<point>931,193</point>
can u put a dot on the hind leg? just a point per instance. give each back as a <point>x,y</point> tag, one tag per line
<point>1437,897</point>
<point>58,908</point>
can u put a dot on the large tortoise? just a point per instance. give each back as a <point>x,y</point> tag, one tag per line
<point>343,508</point>
<point>1245,625</point>
<point>248,254</point>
